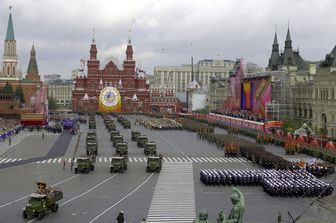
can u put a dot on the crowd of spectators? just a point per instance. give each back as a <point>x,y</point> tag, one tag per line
<point>8,125</point>
<point>241,114</point>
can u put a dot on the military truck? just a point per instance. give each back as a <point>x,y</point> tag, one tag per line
<point>91,143</point>
<point>122,148</point>
<point>154,163</point>
<point>118,164</point>
<point>92,124</point>
<point>135,134</point>
<point>150,148</point>
<point>126,124</point>
<point>42,201</point>
<point>117,139</point>
<point>142,140</point>
<point>114,133</point>
<point>85,164</point>
<point>111,127</point>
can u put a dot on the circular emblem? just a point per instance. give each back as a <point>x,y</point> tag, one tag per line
<point>110,96</point>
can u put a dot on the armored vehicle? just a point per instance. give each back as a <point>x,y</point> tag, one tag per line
<point>42,201</point>
<point>118,164</point>
<point>92,124</point>
<point>135,135</point>
<point>111,127</point>
<point>150,148</point>
<point>126,124</point>
<point>122,148</point>
<point>117,139</point>
<point>154,163</point>
<point>142,140</point>
<point>114,133</point>
<point>85,164</point>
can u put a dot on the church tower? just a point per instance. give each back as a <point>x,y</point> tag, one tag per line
<point>129,63</point>
<point>10,63</point>
<point>288,55</point>
<point>275,56</point>
<point>33,73</point>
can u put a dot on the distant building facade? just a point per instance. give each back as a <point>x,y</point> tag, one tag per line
<point>132,85</point>
<point>51,78</point>
<point>181,76</point>
<point>163,99</point>
<point>61,91</point>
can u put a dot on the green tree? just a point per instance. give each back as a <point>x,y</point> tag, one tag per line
<point>8,88</point>
<point>20,94</point>
<point>52,105</point>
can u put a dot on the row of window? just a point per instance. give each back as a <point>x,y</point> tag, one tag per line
<point>324,94</point>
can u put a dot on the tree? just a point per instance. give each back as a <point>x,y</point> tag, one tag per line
<point>19,93</point>
<point>52,105</point>
<point>8,89</point>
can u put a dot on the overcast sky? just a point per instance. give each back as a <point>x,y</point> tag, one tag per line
<point>166,32</point>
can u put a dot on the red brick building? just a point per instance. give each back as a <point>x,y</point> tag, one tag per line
<point>163,99</point>
<point>132,85</point>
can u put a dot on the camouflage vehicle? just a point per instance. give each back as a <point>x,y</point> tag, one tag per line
<point>114,133</point>
<point>122,148</point>
<point>142,140</point>
<point>154,163</point>
<point>135,134</point>
<point>126,124</point>
<point>92,124</point>
<point>85,164</point>
<point>150,148</point>
<point>91,143</point>
<point>118,164</point>
<point>42,201</point>
<point>111,127</point>
<point>117,139</point>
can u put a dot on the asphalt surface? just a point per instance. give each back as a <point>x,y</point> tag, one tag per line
<point>99,195</point>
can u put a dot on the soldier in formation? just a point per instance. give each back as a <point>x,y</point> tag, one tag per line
<point>284,183</point>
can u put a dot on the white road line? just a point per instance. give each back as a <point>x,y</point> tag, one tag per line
<point>140,160</point>
<point>194,159</point>
<point>54,161</point>
<point>174,159</point>
<point>38,162</point>
<point>110,159</point>
<point>59,160</point>
<point>49,160</point>
<point>13,160</point>
<point>100,159</point>
<point>105,159</point>
<point>19,199</point>
<point>44,161</point>
<point>145,159</point>
<point>130,159</point>
<point>199,159</point>
<point>101,214</point>
<point>19,159</point>
<point>179,159</point>
<point>9,159</point>
<point>164,159</point>
<point>213,159</point>
<point>3,160</point>
<point>69,161</point>
<point>135,160</point>
<point>170,160</point>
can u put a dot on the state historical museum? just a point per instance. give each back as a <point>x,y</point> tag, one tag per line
<point>132,86</point>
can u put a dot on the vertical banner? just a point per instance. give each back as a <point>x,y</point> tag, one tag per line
<point>109,100</point>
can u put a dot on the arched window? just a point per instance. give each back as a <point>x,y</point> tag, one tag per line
<point>14,70</point>
<point>8,70</point>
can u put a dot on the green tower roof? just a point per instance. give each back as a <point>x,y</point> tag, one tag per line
<point>32,67</point>
<point>10,29</point>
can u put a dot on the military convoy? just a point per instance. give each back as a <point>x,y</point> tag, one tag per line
<point>91,143</point>
<point>118,164</point>
<point>92,122</point>
<point>114,133</point>
<point>135,135</point>
<point>142,140</point>
<point>85,164</point>
<point>150,148</point>
<point>42,201</point>
<point>122,148</point>
<point>117,139</point>
<point>154,163</point>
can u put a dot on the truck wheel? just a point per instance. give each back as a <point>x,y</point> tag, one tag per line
<point>24,214</point>
<point>87,170</point>
<point>54,208</point>
<point>39,216</point>
<point>76,170</point>
<point>92,167</point>
<point>111,170</point>
<point>147,169</point>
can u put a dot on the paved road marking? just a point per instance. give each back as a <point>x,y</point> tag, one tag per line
<point>140,160</point>
<point>132,192</point>
<point>174,198</point>
<point>19,199</point>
